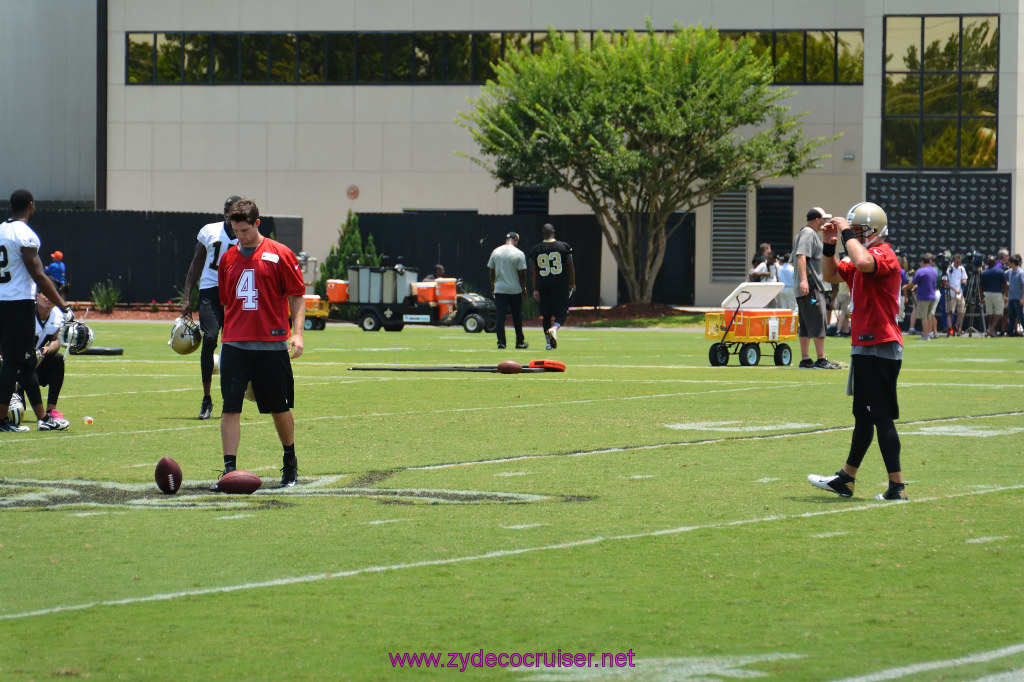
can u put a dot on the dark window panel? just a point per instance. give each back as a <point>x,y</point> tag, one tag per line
<point>141,57</point>
<point>458,58</point>
<point>851,57</point>
<point>370,58</point>
<point>902,93</point>
<point>902,43</point>
<point>821,56</point>
<point>224,50</point>
<point>398,48</point>
<point>341,58</point>
<point>941,44</point>
<point>939,143</point>
<point>978,143</point>
<point>941,94</point>
<point>518,41</point>
<point>789,56</point>
<point>901,146</point>
<point>311,57</point>
<point>169,58</point>
<point>282,57</point>
<point>980,94</point>
<point>197,57</point>
<point>428,58</point>
<point>981,43</point>
<point>763,41</point>
<point>255,57</point>
<point>486,51</point>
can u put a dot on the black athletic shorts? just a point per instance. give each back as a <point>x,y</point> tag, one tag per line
<point>554,300</point>
<point>874,387</point>
<point>211,313</point>
<point>270,372</point>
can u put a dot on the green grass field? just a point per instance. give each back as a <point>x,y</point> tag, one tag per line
<point>643,503</point>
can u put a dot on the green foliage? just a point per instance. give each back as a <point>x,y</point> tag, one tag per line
<point>639,127</point>
<point>179,297</point>
<point>349,251</point>
<point>106,295</point>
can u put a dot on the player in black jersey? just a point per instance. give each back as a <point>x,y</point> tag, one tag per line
<point>554,281</point>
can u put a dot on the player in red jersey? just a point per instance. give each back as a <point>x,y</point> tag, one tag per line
<point>876,353</point>
<point>261,287</point>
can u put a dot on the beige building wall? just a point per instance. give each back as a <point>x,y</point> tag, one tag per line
<point>296,150</point>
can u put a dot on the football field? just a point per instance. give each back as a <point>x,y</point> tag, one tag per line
<point>642,516</point>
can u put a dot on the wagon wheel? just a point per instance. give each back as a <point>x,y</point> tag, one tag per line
<point>783,355</point>
<point>750,354</point>
<point>718,354</point>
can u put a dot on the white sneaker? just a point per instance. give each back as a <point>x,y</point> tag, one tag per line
<point>552,337</point>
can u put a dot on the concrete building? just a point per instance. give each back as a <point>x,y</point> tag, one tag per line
<point>139,104</point>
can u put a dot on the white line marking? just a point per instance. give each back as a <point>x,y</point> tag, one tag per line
<point>513,473</point>
<point>234,516</point>
<point>989,538</point>
<point>896,673</point>
<point>382,521</point>
<point>638,477</point>
<point>768,480</point>
<point>731,426</point>
<point>497,554</point>
<point>833,534</point>
<point>524,526</point>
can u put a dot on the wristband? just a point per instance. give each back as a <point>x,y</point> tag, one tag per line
<point>828,250</point>
<point>847,235</point>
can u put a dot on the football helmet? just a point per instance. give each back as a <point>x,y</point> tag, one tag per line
<point>16,409</point>
<point>76,337</point>
<point>185,336</point>
<point>869,222</point>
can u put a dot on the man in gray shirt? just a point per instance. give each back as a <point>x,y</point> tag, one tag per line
<point>810,289</point>
<point>507,266</point>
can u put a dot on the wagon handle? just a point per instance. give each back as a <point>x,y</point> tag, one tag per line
<point>738,304</point>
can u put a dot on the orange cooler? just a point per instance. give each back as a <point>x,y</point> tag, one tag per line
<point>426,292</point>
<point>337,290</point>
<point>445,288</point>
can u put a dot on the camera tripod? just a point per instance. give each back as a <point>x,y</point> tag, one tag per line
<point>972,300</point>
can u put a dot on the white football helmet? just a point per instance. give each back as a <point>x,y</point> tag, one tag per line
<point>16,409</point>
<point>185,336</point>
<point>76,337</point>
<point>868,220</point>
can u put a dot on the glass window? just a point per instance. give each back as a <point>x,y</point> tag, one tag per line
<point>282,57</point>
<point>486,52</point>
<point>979,94</point>
<point>399,57</point>
<point>540,41</point>
<point>428,57</point>
<point>457,60</point>
<point>169,58</point>
<point>850,60</point>
<point>939,143</point>
<point>140,56</point>
<point>981,43</point>
<point>197,57</point>
<point>902,94</point>
<point>941,94</point>
<point>762,42</point>
<point>821,56</point>
<point>224,57</point>
<point>978,143</point>
<point>789,56</point>
<point>517,41</point>
<point>901,142</point>
<point>941,44</point>
<point>311,57</point>
<point>903,43</point>
<point>370,57</point>
<point>341,58</point>
<point>255,58</point>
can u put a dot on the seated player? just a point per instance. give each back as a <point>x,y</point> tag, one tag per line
<point>49,366</point>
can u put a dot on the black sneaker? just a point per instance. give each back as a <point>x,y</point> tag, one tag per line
<point>522,346</point>
<point>216,486</point>
<point>807,364</point>
<point>840,484</point>
<point>825,363</point>
<point>897,492</point>
<point>7,426</point>
<point>501,346</point>
<point>290,472</point>
<point>206,409</point>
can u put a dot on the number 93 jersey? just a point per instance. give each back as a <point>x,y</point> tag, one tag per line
<point>216,239</point>
<point>551,259</point>
<point>254,291</point>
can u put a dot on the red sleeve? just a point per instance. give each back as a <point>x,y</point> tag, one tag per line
<point>293,283</point>
<point>885,260</point>
<point>846,269</point>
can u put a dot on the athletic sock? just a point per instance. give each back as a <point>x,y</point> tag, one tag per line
<point>289,451</point>
<point>229,461</point>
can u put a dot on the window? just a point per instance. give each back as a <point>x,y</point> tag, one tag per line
<point>940,92</point>
<point>197,57</point>
<point>729,237</point>
<point>140,55</point>
<point>169,58</point>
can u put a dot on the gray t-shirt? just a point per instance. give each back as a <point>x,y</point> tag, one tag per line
<point>507,261</point>
<point>807,243</point>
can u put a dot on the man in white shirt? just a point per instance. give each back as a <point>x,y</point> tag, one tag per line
<point>507,267</point>
<point>956,304</point>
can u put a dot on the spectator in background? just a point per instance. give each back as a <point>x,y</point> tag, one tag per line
<point>904,268</point>
<point>1015,293</point>
<point>993,286</point>
<point>58,272</point>
<point>925,286</point>
<point>811,291</point>
<point>507,269</point>
<point>786,298</point>
<point>842,306</point>
<point>956,306</point>
<point>438,272</point>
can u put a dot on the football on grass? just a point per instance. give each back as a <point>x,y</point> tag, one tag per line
<point>168,476</point>
<point>239,482</point>
<point>509,367</point>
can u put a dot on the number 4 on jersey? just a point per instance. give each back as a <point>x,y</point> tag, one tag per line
<point>246,290</point>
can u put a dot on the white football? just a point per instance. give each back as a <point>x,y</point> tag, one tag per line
<point>216,363</point>
<point>249,393</point>
<point>16,410</point>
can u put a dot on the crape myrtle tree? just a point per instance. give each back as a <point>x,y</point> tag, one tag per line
<point>640,127</point>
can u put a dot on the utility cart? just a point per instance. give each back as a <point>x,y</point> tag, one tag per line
<point>745,322</point>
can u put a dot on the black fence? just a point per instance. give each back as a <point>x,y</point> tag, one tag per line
<point>146,252</point>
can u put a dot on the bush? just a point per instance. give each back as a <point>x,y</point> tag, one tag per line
<point>106,295</point>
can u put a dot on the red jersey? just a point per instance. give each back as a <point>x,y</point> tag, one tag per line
<point>876,299</point>
<point>254,292</point>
